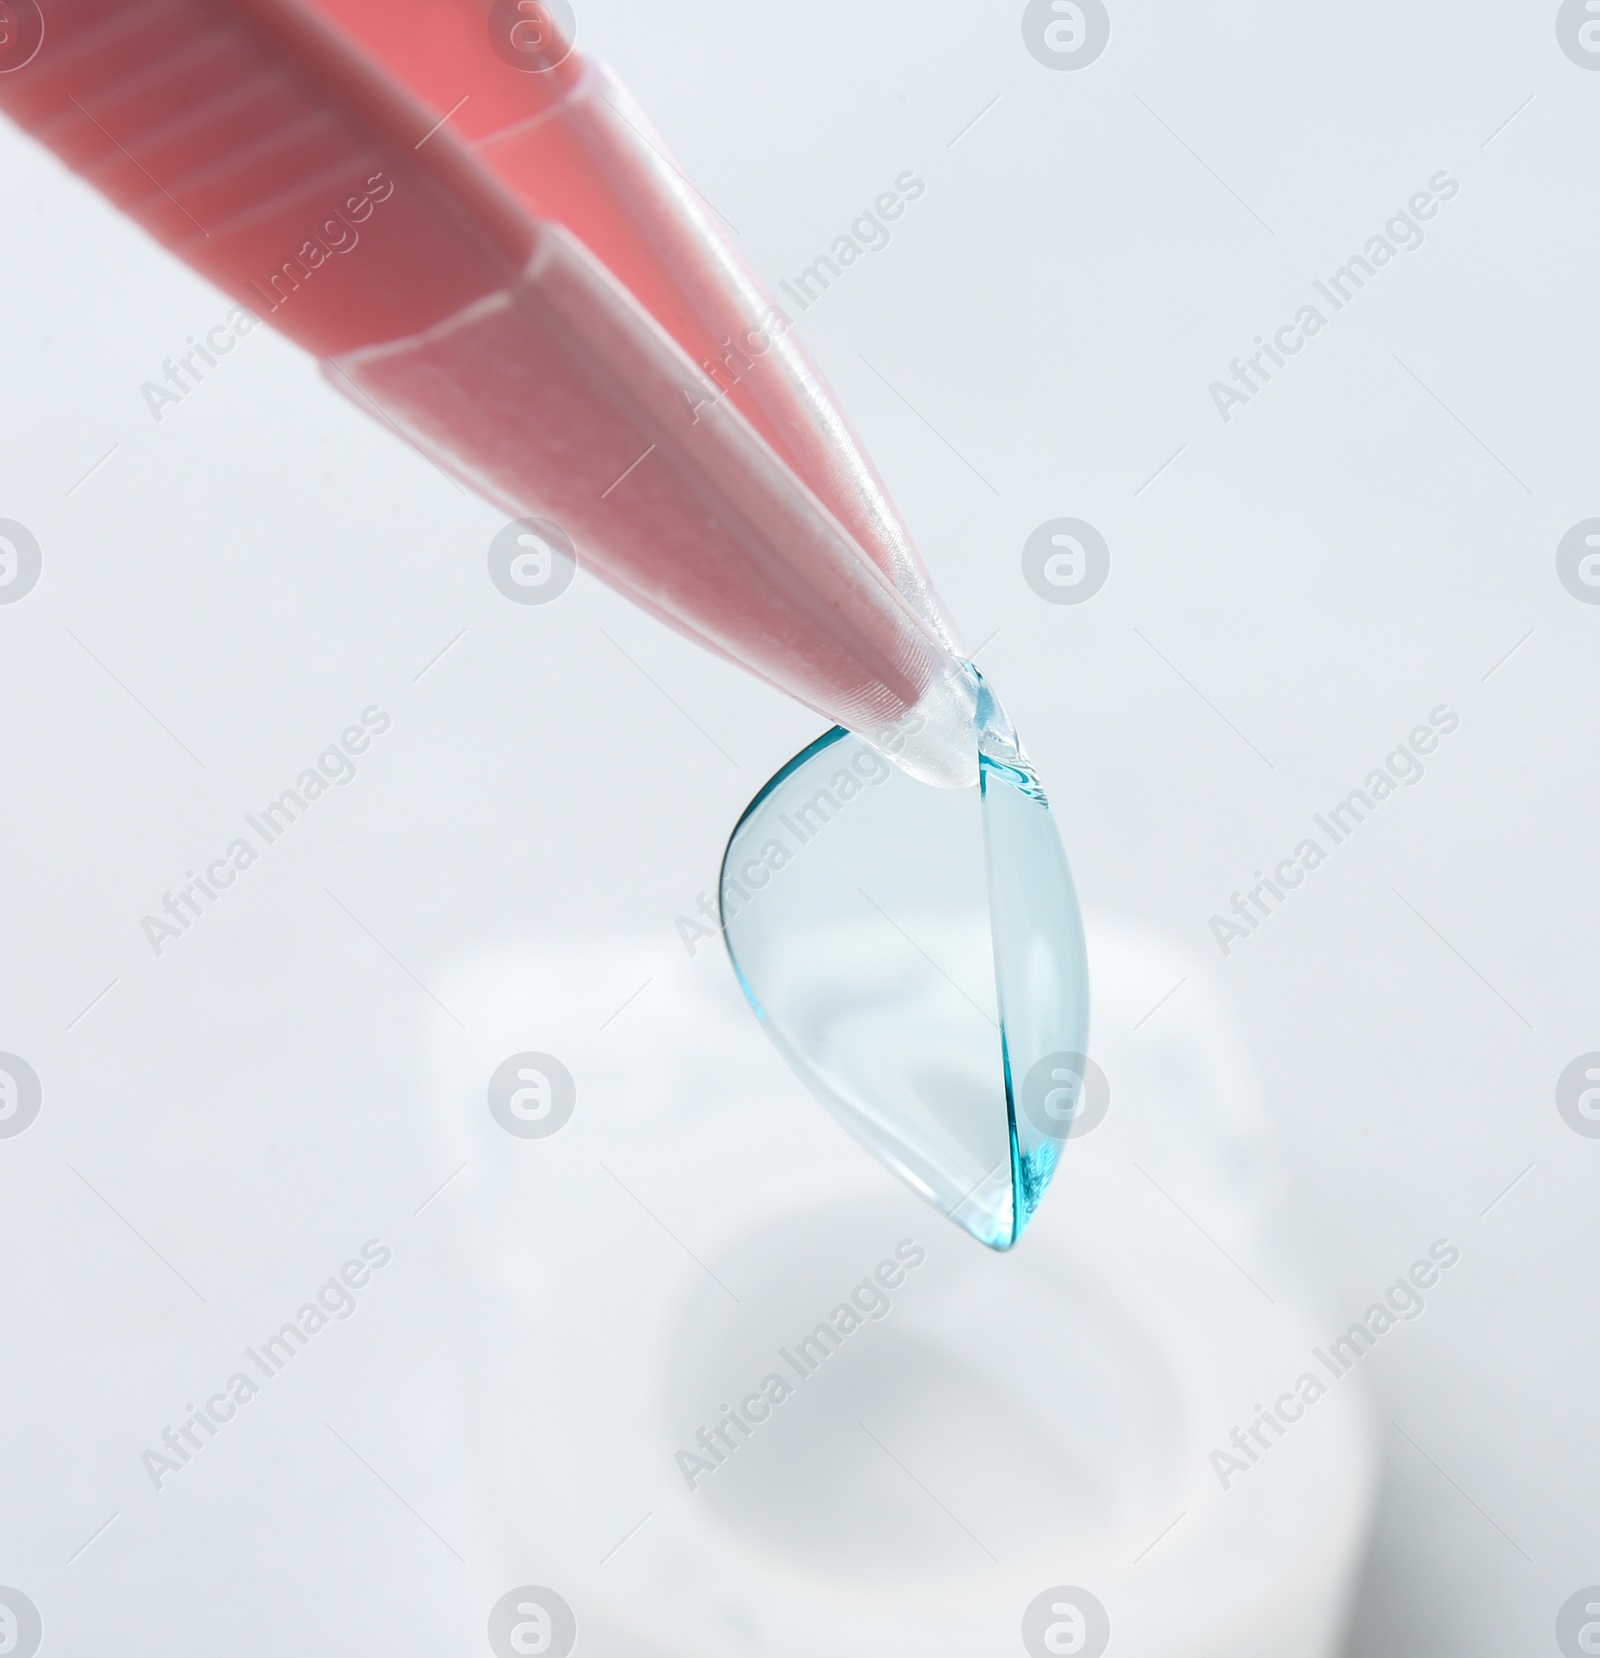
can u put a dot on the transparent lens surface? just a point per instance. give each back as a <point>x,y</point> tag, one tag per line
<point>917,956</point>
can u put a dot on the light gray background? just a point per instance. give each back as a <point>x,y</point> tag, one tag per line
<point>1364,541</point>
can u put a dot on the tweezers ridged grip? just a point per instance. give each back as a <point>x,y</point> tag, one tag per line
<point>247,139</point>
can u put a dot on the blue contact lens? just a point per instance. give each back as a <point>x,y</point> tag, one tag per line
<point>917,955</point>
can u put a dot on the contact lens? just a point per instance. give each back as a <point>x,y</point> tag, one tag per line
<point>916,954</point>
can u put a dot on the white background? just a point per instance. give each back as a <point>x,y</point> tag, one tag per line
<point>1349,551</point>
